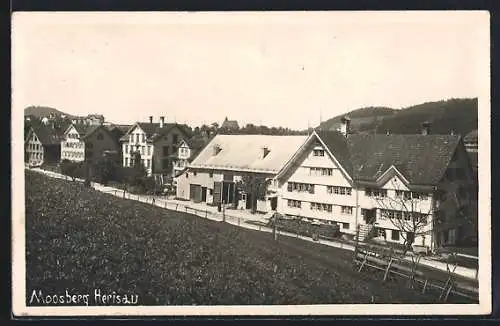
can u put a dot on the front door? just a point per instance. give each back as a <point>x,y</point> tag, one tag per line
<point>203,194</point>
<point>274,203</point>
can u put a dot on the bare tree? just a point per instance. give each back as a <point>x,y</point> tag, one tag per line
<point>408,211</point>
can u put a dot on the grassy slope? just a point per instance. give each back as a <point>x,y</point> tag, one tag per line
<point>79,239</point>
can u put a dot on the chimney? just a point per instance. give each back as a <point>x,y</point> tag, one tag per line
<point>452,132</point>
<point>345,127</point>
<point>426,128</point>
<point>162,121</point>
<point>151,119</point>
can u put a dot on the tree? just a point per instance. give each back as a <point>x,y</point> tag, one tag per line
<point>254,185</point>
<point>105,169</point>
<point>408,211</point>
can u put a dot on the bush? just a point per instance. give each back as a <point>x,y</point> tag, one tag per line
<point>305,228</point>
<point>72,169</point>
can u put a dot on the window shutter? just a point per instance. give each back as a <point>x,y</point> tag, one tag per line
<point>289,186</point>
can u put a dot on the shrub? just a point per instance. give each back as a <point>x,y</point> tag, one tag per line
<point>72,169</point>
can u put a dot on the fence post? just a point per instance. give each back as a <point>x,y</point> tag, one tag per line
<point>176,206</point>
<point>206,213</point>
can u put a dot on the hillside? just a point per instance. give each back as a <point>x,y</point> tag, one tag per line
<point>459,115</point>
<point>360,117</point>
<point>43,111</point>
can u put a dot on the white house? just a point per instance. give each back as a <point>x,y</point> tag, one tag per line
<point>187,151</point>
<point>386,184</point>
<point>156,142</point>
<point>215,175</point>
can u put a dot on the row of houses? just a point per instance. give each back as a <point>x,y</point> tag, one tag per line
<point>165,148</point>
<point>377,182</point>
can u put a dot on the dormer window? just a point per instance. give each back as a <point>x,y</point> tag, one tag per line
<point>217,149</point>
<point>265,151</point>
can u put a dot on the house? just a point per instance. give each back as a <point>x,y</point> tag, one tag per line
<point>188,149</point>
<point>156,142</point>
<point>382,183</point>
<point>42,144</point>
<point>85,142</point>
<point>220,171</point>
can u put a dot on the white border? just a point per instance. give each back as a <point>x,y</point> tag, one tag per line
<point>18,206</point>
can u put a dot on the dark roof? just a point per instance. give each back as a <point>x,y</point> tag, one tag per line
<point>471,136</point>
<point>153,130</point>
<point>422,159</point>
<point>337,144</point>
<point>196,145</point>
<point>46,134</point>
<point>83,129</point>
<point>94,129</point>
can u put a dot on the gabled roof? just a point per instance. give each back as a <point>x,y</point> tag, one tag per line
<point>82,128</point>
<point>93,130</point>
<point>46,134</point>
<point>419,159</point>
<point>422,159</point>
<point>244,152</point>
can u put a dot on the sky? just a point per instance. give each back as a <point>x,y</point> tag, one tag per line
<point>277,69</point>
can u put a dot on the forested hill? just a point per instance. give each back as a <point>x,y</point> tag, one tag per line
<point>43,111</point>
<point>459,115</point>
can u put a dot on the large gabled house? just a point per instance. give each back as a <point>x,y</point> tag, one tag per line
<point>86,142</point>
<point>156,142</point>
<point>42,144</point>
<point>381,182</point>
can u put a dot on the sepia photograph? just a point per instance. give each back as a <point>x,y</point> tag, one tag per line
<point>251,163</point>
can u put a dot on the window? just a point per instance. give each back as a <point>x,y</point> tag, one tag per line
<point>175,138</point>
<point>126,149</point>
<point>194,173</point>
<point>126,161</point>
<point>143,149</point>
<point>148,162</point>
<point>89,145</point>
<point>322,207</point>
<point>375,192</point>
<point>149,150</point>
<point>338,190</point>
<point>318,152</point>
<point>419,195</point>
<point>395,235</point>
<point>345,225</point>
<point>300,187</point>
<point>165,150</point>
<point>100,136</point>
<point>294,203</point>
<point>174,149</point>
<point>403,194</point>
<point>131,138</point>
<point>346,210</point>
<point>143,137</point>
<point>211,174</point>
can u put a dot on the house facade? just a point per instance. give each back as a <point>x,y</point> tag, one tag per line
<point>394,187</point>
<point>222,172</point>
<point>91,119</point>
<point>156,142</point>
<point>42,145</point>
<point>87,143</point>
<point>188,149</point>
